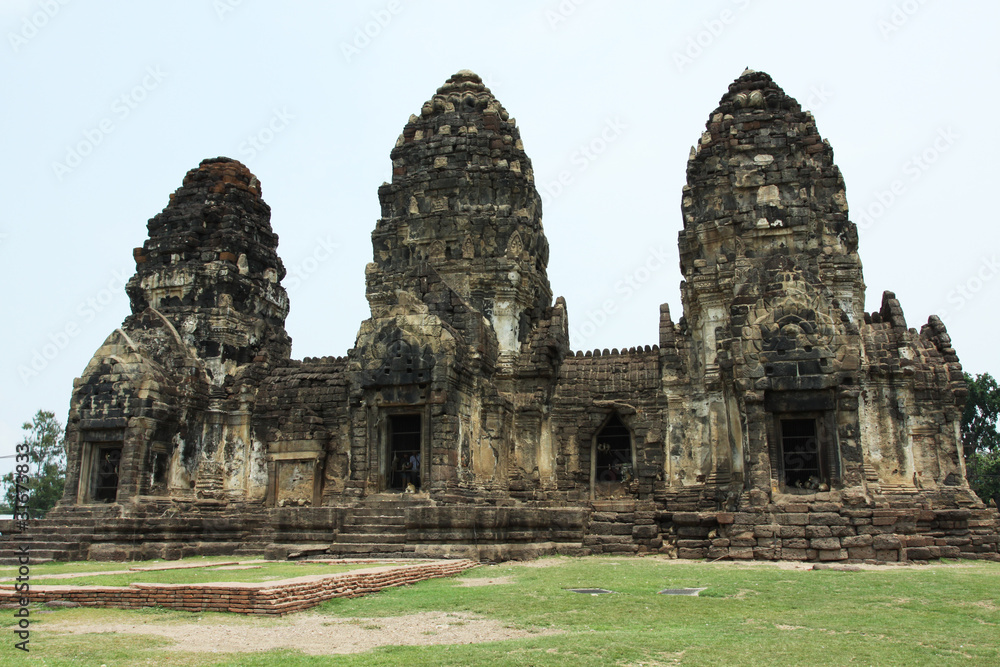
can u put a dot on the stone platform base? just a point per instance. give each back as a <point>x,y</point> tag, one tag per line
<point>804,529</point>
<point>828,532</point>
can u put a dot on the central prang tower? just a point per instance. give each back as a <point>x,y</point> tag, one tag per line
<point>459,300</point>
<point>463,199</point>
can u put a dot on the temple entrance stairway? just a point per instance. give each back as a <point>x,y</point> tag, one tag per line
<point>379,526</point>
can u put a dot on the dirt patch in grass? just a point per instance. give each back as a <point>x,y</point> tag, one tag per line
<point>742,593</point>
<point>542,562</point>
<point>808,565</point>
<point>782,626</point>
<point>485,581</point>
<point>673,658</point>
<point>315,634</point>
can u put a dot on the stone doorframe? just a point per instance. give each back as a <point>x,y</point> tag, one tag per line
<point>593,449</point>
<point>381,451</point>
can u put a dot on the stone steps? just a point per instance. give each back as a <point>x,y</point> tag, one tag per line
<point>394,524</point>
<point>376,527</point>
<point>47,544</point>
<point>900,489</point>
<point>376,519</point>
<point>295,551</point>
<point>47,540</point>
<point>371,538</point>
<point>303,536</point>
<point>37,552</point>
<point>367,550</point>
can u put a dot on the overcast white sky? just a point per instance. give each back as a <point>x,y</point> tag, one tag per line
<point>108,103</point>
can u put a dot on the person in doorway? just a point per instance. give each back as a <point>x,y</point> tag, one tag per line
<point>395,471</point>
<point>412,474</point>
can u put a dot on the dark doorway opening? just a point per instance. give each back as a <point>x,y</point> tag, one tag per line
<point>404,436</point>
<point>158,474</point>
<point>613,468</point>
<point>800,455</point>
<point>107,462</point>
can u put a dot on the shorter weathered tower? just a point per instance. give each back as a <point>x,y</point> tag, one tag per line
<point>164,408</point>
<point>211,266</point>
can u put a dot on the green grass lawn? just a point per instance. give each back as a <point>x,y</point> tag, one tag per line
<point>7,571</point>
<point>750,614</point>
<point>263,572</point>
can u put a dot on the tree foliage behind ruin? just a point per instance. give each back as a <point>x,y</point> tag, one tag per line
<point>980,437</point>
<point>46,473</point>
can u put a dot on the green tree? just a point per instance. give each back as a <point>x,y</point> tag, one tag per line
<point>980,437</point>
<point>45,454</point>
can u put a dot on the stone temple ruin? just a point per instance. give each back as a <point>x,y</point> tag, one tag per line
<point>774,420</point>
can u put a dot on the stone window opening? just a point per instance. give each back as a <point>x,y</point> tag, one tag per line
<point>404,452</point>
<point>612,460</point>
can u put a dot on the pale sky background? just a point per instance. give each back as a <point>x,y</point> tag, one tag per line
<point>904,90</point>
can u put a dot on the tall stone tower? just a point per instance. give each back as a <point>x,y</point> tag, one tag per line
<point>457,288</point>
<point>462,199</point>
<point>773,289</point>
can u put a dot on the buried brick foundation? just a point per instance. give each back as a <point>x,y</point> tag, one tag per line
<point>271,598</point>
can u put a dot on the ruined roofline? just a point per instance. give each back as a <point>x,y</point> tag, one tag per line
<point>613,352</point>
